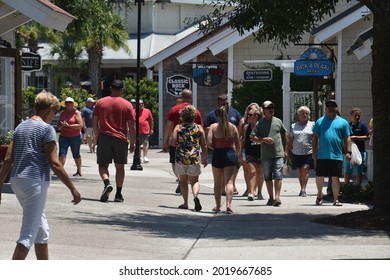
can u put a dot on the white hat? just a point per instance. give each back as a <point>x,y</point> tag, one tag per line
<point>69,99</point>
<point>90,99</point>
<point>267,104</point>
<point>133,101</point>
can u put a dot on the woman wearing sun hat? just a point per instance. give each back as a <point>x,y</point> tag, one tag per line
<point>70,124</point>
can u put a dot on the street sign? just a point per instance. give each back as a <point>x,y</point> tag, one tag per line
<point>31,61</point>
<point>258,75</point>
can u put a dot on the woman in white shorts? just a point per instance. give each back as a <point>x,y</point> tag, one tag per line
<point>189,139</point>
<point>31,154</point>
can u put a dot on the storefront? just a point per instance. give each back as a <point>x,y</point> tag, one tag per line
<point>12,15</point>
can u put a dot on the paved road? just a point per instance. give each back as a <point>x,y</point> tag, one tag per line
<point>149,226</point>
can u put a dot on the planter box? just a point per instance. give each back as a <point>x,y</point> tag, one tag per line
<point>3,151</point>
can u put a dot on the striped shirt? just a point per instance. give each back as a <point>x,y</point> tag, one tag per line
<point>29,156</point>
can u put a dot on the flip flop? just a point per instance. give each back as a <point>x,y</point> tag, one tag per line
<point>198,207</point>
<point>229,211</point>
<point>182,206</point>
<point>319,201</point>
<point>216,210</point>
<point>337,203</point>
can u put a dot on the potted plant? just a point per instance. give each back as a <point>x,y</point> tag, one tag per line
<point>4,142</point>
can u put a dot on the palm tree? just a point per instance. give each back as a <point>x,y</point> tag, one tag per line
<point>96,27</point>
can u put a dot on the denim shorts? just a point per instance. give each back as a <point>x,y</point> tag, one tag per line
<point>74,142</point>
<point>272,168</point>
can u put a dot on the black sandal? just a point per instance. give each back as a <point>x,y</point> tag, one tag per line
<point>319,201</point>
<point>77,174</point>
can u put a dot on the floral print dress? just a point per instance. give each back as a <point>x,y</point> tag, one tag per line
<point>188,144</point>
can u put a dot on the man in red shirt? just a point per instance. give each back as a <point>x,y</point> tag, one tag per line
<point>112,118</point>
<point>145,128</point>
<point>173,119</point>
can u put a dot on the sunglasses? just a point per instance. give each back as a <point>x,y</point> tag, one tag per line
<point>269,108</point>
<point>68,102</point>
<point>252,115</point>
<point>141,104</point>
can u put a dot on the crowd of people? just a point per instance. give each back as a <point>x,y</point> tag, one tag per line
<point>258,141</point>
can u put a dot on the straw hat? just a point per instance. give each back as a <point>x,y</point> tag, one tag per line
<point>69,99</point>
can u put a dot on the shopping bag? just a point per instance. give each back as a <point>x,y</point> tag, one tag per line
<point>287,168</point>
<point>356,156</point>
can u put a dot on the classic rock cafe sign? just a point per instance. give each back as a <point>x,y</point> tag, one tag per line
<point>313,62</point>
<point>176,83</point>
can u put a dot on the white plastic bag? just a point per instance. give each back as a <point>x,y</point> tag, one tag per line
<point>356,156</point>
<point>287,168</point>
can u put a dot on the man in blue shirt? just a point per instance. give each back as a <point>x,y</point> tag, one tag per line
<point>234,118</point>
<point>330,134</point>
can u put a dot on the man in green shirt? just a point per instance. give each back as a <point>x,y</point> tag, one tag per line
<point>271,133</point>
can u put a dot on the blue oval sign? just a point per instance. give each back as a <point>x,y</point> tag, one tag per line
<point>313,68</point>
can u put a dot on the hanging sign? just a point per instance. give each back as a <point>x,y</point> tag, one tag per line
<point>207,75</point>
<point>176,83</point>
<point>31,61</point>
<point>313,62</point>
<point>258,75</point>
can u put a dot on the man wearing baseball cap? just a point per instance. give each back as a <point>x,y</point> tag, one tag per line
<point>86,114</point>
<point>112,118</point>
<point>271,133</point>
<point>330,134</point>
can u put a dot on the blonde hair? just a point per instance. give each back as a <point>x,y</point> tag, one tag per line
<point>258,110</point>
<point>303,108</point>
<point>223,121</point>
<point>187,114</point>
<point>45,100</point>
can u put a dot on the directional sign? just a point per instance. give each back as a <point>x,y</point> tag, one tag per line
<point>31,61</point>
<point>258,75</point>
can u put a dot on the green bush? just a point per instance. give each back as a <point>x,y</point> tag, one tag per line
<point>148,93</point>
<point>357,194</point>
<point>79,95</point>
<point>7,137</point>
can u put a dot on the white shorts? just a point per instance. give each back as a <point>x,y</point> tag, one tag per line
<point>32,197</point>
<point>191,170</point>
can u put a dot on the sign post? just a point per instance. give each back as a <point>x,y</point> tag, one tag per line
<point>31,61</point>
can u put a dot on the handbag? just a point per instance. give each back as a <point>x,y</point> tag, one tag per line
<point>356,156</point>
<point>287,168</point>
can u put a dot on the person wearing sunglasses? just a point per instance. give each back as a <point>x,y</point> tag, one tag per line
<point>70,124</point>
<point>145,129</point>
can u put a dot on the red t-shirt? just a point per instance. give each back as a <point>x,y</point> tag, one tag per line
<point>174,114</point>
<point>145,117</point>
<point>70,118</point>
<point>113,113</point>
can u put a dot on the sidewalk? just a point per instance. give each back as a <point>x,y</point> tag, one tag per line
<point>148,225</point>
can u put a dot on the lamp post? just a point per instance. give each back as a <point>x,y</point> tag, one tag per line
<point>137,159</point>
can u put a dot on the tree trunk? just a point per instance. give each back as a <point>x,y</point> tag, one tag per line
<point>95,56</point>
<point>381,100</point>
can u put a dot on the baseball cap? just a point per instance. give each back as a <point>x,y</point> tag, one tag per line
<point>331,103</point>
<point>117,84</point>
<point>90,99</point>
<point>133,101</point>
<point>267,104</point>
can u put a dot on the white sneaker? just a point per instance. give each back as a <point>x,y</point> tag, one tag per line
<point>146,160</point>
